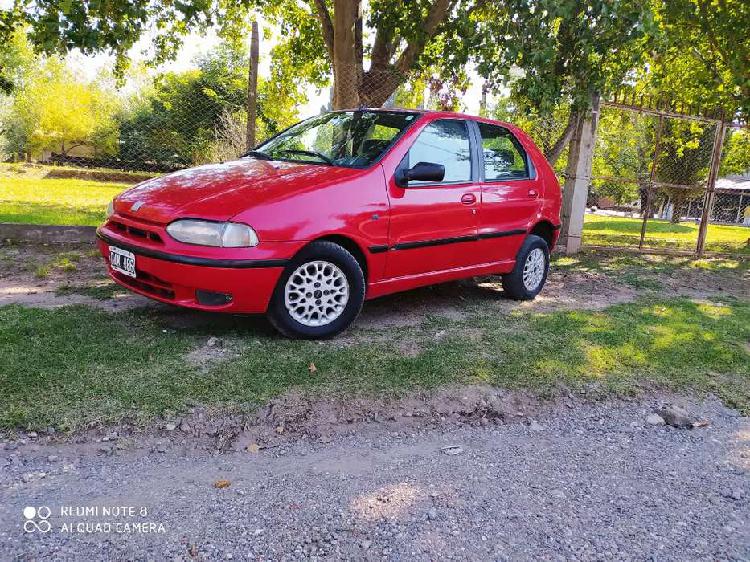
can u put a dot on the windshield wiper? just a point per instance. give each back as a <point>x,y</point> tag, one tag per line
<point>323,157</point>
<point>257,154</point>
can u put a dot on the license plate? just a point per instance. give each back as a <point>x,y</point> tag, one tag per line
<point>122,261</point>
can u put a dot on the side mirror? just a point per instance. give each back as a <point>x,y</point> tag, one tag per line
<point>422,171</point>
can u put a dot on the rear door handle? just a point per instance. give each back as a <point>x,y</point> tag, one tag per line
<point>468,199</point>
<point>533,193</point>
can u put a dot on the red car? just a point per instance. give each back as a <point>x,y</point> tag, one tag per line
<point>343,207</point>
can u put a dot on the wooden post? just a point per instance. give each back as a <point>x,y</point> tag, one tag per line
<point>577,179</point>
<point>713,174</point>
<point>252,86</point>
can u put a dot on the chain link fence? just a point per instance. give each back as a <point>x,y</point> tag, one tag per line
<point>652,184</point>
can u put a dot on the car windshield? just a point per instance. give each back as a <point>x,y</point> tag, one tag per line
<point>352,139</point>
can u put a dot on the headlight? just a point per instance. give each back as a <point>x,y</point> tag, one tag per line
<point>206,233</point>
<point>111,208</point>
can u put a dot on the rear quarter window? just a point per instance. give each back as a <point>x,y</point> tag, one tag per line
<point>504,157</point>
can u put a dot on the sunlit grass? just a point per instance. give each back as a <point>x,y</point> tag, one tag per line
<point>603,230</point>
<point>55,201</point>
<point>75,366</point>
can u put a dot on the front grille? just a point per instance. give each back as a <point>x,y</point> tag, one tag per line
<point>135,232</point>
<point>148,284</point>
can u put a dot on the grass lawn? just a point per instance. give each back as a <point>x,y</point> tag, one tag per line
<point>34,200</point>
<point>76,366</point>
<point>621,231</point>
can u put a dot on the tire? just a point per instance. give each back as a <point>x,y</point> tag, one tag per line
<point>533,250</point>
<point>318,315</point>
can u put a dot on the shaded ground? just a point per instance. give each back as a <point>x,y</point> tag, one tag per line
<point>606,324</point>
<point>588,482</point>
<point>54,276</point>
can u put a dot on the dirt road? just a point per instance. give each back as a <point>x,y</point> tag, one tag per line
<point>584,481</point>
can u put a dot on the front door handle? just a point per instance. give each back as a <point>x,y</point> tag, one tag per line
<point>468,199</point>
<point>533,193</point>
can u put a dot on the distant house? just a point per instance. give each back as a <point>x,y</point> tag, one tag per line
<point>731,204</point>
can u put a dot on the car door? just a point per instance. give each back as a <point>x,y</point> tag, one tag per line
<point>510,193</point>
<point>433,225</point>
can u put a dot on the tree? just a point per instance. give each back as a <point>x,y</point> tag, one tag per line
<point>330,32</point>
<point>58,26</point>
<point>736,155</point>
<point>562,52</point>
<point>193,117</point>
<point>625,145</point>
<point>55,110</point>
<point>702,57</point>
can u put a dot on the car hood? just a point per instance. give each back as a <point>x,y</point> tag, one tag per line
<point>220,191</point>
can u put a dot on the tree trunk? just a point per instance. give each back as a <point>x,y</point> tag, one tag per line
<point>342,35</point>
<point>677,204</point>
<point>347,67</point>
<point>553,154</point>
<point>252,87</point>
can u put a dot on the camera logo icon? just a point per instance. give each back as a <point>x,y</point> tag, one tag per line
<point>36,519</point>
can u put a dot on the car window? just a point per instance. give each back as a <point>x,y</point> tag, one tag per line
<point>353,139</point>
<point>444,142</point>
<point>504,157</point>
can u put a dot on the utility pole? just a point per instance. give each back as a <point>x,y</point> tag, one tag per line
<point>252,86</point>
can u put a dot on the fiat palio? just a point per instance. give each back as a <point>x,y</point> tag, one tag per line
<point>338,209</point>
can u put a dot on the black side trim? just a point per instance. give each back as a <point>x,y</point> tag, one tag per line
<point>190,260</point>
<point>502,233</point>
<point>437,242</point>
<point>444,241</point>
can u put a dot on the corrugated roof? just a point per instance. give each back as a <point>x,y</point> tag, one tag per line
<point>734,182</point>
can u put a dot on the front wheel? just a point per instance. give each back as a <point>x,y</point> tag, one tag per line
<point>530,272</point>
<point>319,294</point>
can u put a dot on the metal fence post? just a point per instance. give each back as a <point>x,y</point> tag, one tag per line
<point>647,211</point>
<point>713,174</point>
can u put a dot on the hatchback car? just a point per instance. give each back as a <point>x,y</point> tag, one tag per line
<point>338,209</point>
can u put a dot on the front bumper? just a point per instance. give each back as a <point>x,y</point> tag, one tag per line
<point>175,278</point>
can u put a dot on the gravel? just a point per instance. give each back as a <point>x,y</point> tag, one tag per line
<point>598,481</point>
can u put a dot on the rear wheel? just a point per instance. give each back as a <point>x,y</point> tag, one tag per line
<point>530,272</point>
<point>319,294</point>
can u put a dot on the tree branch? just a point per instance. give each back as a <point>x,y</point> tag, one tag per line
<point>381,48</point>
<point>553,154</point>
<point>326,25</point>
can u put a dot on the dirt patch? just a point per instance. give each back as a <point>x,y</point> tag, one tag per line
<point>296,415</point>
<point>212,352</point>
<point>53,276</point>
<point>48,276</point>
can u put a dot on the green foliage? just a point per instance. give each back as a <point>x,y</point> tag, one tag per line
<point>736,155</point>
<point>702,57</point>
<point>183,116</point>
<point>61,369</point>
<point>565,50</point>
<point>56,110</point>
<point>58,26</point>
<point>623,155</point>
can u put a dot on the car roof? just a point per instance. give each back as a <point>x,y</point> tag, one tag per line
<point>434,113</point>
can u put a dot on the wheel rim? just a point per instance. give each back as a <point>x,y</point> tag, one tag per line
<point>533,269</point>
<point>316,293</point>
